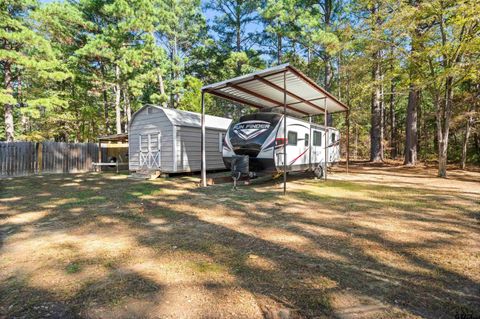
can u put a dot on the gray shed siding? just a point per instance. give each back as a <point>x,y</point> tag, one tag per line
<point>189,149</point>
<point>180,144</point>
<point>145,123</point>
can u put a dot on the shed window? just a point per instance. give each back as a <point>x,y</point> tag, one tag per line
<point>306,139</point>
<point>155,141</point>
<point>292,138</point>
<point>221,138</point>
<point>317,138</point>
<point>150,142</point>
<point>143,141</point>
<point>334,137</point>
<point>149,110</point>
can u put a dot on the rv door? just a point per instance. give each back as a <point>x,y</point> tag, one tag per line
<point>317,147</point>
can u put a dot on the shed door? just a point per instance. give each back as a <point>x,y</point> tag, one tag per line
<point>150,145</point>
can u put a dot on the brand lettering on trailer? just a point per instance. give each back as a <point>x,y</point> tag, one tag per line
<point>250,129</point>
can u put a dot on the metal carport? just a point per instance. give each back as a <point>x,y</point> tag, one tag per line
<point>282,86</point>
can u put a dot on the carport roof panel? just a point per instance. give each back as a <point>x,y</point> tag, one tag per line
<point>264,90</point>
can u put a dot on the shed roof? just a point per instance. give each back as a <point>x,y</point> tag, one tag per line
<point>265,90</point>
<point>123,137</point>
<point>192,119</point>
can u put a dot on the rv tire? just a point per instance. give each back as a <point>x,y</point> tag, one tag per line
<point>318,171</point>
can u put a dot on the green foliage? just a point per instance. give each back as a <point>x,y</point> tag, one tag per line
<point>231,23</point>
<point>72,268</point>
<point>73,64</point>
<point>191,95</point>
<point>25,54</point>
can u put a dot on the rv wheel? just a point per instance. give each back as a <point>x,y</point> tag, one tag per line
<point>318,171</point>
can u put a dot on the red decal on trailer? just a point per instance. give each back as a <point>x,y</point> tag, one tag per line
<point>298,156</point>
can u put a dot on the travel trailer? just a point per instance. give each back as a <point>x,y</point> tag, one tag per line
<point>261,137</point>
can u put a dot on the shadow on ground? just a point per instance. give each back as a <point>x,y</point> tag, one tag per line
<point>105,246</point>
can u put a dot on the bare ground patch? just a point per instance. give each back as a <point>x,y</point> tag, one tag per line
<point>379,242</point>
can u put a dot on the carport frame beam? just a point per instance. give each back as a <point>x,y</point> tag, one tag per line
<point>325,116</point>
<point>204,158</point>
<point>285,142</point>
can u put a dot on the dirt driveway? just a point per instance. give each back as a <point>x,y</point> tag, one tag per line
<point>380,242</point>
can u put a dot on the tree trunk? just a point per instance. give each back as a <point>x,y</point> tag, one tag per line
<point>442,158</point>
<point>105,101</point>
<point>439,131</point>
<point>279,49</point>
<point>327,58</point>
<point>105,112</point>
<point>435,138</point>
<point>161,87</point>
<point>443,123</point>
<point>25,123</point>
<point>393,124</point>
<point>172,85</point>
<point>339,75</point>
<point>79,127</point>
<point>420,124</point>
<point>328,82</point>
<point>238,34</point>
<point>128,109</point>
<point>328,75</point>
<point>376,152</point>
<point>174,72</point>
<point>8,108</point>
<point>382,113</point>
<point>466,137</point>
<point>411,127</point>
<point>118,115</point>
<point>125,124</point>
<point>376,114</point>
<point>356,141</point>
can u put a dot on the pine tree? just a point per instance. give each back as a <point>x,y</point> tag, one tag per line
<point>25,56</point>
<point>180,27</point>
<point>231,27</point>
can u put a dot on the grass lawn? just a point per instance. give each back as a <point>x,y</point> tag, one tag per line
<point>380,242</point>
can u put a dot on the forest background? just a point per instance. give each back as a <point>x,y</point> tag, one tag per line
<point>409,70</point>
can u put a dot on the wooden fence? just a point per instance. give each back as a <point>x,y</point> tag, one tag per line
<point>27,158</point>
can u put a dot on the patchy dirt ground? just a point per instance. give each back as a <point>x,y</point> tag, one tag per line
<point>380,242</point>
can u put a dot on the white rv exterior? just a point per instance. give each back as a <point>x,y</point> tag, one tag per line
<point>308,151</point>
<point>261,136</point>
<point>169,140</point>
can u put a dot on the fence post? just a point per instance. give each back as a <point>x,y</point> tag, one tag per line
<point>99,160</point>
<point>40,157</point>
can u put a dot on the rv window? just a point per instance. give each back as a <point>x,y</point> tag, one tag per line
<point>292,138</point>
<point>221,138</point>
<point>306,140</point>
<point>333,137</point>
<point>317,138</point>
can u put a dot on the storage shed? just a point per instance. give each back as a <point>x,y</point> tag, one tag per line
<point>169,140</point>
